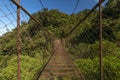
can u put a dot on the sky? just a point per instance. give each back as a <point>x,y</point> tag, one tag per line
<point>8,10</point>
<point>65,6</point>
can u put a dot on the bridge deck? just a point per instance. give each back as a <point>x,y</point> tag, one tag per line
<point>60,66</point>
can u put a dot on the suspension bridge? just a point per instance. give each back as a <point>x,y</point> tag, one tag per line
<point>59,63</point>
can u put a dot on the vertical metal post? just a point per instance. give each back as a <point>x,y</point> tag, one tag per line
<point>100,26</point>
<point>18,40</point>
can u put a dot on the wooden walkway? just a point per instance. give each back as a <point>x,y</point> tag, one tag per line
<point>60,66</point>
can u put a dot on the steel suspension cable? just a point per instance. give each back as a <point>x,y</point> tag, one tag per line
<point>76,6</point>
<point>81,21</point>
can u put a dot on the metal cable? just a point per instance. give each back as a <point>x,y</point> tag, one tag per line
<point>42,4</point>
<point>76,6</point>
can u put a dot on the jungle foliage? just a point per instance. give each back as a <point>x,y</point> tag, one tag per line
<point>83,44</point>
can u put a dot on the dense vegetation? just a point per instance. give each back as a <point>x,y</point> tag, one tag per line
<point>83,44</point>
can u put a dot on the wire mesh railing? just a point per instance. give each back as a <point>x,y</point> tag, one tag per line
<point>83,44</point>
<point>35,45</point>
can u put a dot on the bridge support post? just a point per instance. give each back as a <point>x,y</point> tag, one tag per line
<point>100,27</point>
<point>18,41</point>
